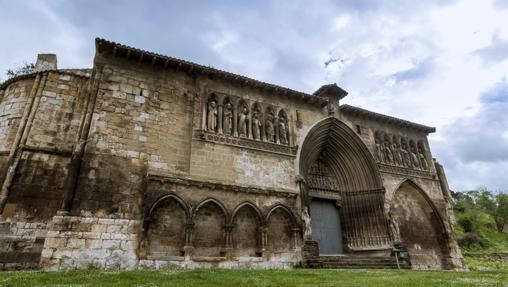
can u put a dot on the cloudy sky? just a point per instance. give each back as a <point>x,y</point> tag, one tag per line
<point>440,63</point>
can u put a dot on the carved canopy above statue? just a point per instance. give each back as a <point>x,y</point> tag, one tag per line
<point>343,152</point>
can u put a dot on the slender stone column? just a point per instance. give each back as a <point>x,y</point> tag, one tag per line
<point>189,238</point>
<point>262,128</point>
<point>264,238</point>
<point>203,111</point>
<point>219,118</point>
<point>276,130</point>
<point>249,122</point>
<point>235,118</point>
<point>228,236</point>
<point>296,238</point>
<point>74,165</point>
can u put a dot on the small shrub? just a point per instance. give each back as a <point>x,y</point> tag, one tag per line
<point>469,240</point>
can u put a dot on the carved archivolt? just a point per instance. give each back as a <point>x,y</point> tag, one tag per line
<point>242,118</point>
<point>400,151</point>
<point>335,164</point>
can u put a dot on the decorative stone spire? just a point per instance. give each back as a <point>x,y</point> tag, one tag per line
<point>334,93</point>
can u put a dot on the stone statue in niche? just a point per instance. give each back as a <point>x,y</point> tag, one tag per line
<point>256,125</point>
<point>387,148</point>
<point>397,155</point>
<point>228,119</point>
<point>379,147</point>
<point>270,133</point>
<point>405,153</point>
<point>307,228</point>
<point>414,158</point>
<point>212,116</point>
<point>421,154</point>
<point>393,226</point>
<point>242,121</point>
<point>283,133</point>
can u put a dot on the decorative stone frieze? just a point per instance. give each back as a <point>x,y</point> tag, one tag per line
<point>247,143</point>
<point>400,151</point>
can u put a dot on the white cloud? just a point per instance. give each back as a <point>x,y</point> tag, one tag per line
<point>341,22</point>
<point>426,61</point>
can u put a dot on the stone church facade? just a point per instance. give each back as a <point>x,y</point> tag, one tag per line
<point>150,161</point>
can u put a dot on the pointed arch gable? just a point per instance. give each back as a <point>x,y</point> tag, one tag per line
<point>168,196</point>
<point>247,204</point>
<point>284,209</point>
<point>428,200</point>
<point>345,154</point>
<point>211,200</point>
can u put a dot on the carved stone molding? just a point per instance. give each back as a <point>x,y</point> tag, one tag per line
<point>247,143</point>
<point>386,168</point>
<point>219,185</point>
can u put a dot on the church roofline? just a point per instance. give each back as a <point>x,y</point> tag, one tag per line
<point>384,118</point>
<point>103,46</point>
<point>84,73</point>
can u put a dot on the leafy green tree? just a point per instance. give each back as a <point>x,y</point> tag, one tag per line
<point>486,201</point>
<point>501,211</point>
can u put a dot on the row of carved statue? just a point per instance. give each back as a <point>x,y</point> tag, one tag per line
<point>239,118</point>
<point>400,151</point>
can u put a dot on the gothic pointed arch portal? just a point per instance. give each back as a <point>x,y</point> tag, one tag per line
<point>335,166</point>
<point>421,227</point>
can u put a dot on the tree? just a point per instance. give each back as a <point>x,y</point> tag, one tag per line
<point>26,68</point>
<point>501,211</point>
<point>485,200</point>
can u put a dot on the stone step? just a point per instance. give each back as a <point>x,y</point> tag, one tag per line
<point>353,262</point>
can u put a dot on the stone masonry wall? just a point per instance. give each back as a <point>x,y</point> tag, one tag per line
<point>84,241</point>
<point>36,191</point>
<point>21,244</point>
<point>11,109</point>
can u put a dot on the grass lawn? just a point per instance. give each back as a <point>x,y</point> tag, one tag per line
<point>483,273</point>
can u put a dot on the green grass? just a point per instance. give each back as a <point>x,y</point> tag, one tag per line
<point>483,273</point>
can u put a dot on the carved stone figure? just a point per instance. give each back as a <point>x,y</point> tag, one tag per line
<point>256,126</point>
<point>270,133</point>
<point>283,131</point>
<point>212,116</point>
<point>307,228</point>
<point>393,226</point>
<point>405,153</point>
<point>414,158</point>
<point>387,148</point>
<point>421,154</point>
<point>379,147</point>
<point>228,119</point>
<point>397,155</point>
<point>242,122</point>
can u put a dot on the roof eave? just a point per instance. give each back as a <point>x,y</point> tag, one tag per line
<point>105,47</point>
<point>389,119</point>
